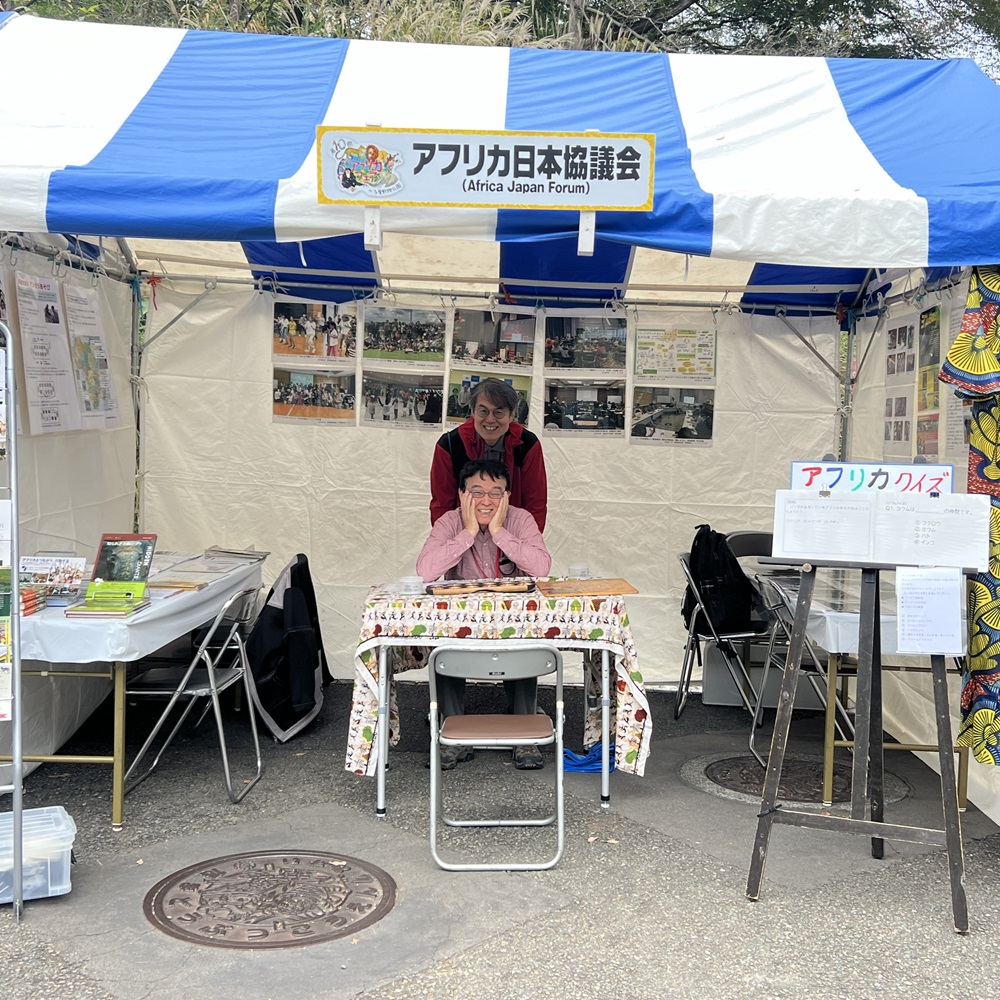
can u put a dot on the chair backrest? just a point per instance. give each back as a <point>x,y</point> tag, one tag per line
<point>235,615</point>
<point>750,543</point>
<point>496,661</point>
<point>723,590</point>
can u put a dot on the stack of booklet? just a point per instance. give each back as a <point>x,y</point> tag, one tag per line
<point>55,576</point>
<point>118,587</point>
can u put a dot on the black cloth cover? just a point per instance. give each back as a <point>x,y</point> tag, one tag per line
<point>285,649</point>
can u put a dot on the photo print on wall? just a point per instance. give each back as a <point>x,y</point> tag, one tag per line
<point>314,332</point>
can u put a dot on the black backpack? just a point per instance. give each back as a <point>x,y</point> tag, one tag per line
<point>724,587</point>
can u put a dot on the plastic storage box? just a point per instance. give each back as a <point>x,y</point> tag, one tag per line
<point>47,844</point>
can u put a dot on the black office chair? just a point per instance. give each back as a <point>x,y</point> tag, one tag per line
<point>219,662</point>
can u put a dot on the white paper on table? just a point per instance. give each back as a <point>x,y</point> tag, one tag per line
<point>929,602</point>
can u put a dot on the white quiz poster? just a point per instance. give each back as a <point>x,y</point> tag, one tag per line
<point>48,371</point>
<point>90,357</point>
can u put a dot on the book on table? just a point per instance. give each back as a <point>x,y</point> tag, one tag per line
<point>117,588</point>
<point>59,576</point>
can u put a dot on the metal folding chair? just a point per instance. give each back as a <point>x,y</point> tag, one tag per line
<point>782,613</point>
<point>702,631</point>
<point>219,662</point>
<point>495,661</point>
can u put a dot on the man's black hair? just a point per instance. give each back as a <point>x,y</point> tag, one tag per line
<point>485,467</point>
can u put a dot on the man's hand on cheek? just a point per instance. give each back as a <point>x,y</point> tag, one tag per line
<point>467,504</point>
<point>499,515</point>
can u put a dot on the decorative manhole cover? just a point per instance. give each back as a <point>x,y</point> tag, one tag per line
<point>270,899</point>
<point>801,778</point>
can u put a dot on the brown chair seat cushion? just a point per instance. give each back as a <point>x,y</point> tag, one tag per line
<point>472,728</point>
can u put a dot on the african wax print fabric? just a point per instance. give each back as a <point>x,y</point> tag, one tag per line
<point>973,367</point>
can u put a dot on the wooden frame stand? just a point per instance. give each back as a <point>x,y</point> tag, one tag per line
<point>867,802</point>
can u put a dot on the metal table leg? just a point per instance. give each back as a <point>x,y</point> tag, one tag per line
<point>830,727</point>
<point>118,764</point>
<point>382,728</point>
<point>605,729</point>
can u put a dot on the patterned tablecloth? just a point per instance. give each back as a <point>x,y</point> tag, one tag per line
<point>579,623</point>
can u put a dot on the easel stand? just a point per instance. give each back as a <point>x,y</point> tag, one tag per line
<point>867,800</point>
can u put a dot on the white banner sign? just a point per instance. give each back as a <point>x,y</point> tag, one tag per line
<point>872,477</point>
<point>587,171</point>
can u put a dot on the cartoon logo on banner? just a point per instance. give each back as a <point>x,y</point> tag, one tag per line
<point>366,169</point>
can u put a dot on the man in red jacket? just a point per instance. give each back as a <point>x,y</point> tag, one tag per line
<point>491,433</point>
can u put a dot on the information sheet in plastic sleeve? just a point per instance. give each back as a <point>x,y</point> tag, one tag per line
<point>90,357</point>
<point>48,372</point>
<point>929,604</point>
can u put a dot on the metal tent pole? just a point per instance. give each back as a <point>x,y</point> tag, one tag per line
<point>14,639</point>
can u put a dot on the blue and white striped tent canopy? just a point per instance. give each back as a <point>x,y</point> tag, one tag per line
<point>813,162</point>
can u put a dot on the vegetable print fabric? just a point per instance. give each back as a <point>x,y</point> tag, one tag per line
<point>582,623</point>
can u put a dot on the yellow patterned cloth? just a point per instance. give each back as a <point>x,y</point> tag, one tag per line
<point>423,621</point>
<point>973,367</point>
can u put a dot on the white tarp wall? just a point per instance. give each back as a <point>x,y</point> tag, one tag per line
<point>72,488</point>
<point>907,696</point>
<point>217,469</point>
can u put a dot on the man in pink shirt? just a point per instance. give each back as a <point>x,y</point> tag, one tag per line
<point>485,538</point>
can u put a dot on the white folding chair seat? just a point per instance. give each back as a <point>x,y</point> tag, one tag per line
<point>496,661</point>
<point>219,662</point>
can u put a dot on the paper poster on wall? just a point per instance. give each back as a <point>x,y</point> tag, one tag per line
<point>901,352</point>
<point>678,356</point>
<point>5,532</point>
<point>461,382</point>
<point>6,670</point>
<point>401,399</point>
<point>49,383</point>
<point>928,429</point>
<point>313,332</point>
<point>591,343</point>
<point>397,334</point>
<point>3,404</point>
<point>582,407</point>
<point>929,359</point>
<point>498,341</point>
<point>3,368</point>
<point>897,427</point>
<point>318,396</point>
<point>672,415</point>
<point>958,419</point>
<point>90,357</point>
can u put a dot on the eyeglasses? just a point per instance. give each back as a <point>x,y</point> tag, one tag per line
<point>478,492</point>
<point>498,414</point>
